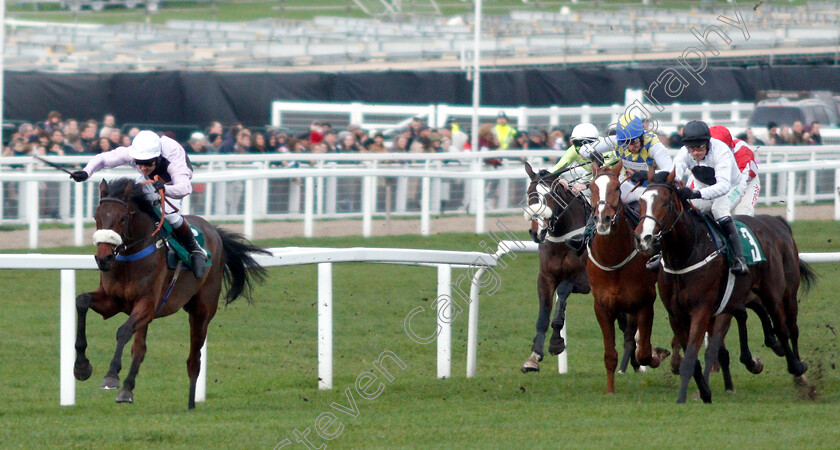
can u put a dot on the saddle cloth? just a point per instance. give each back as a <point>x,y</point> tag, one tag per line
<point>750,246</point>
<point>177,251</point>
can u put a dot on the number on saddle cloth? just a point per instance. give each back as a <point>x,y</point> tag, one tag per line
<point>750,246</point>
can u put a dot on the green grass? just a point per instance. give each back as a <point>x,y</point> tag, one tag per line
<point>262,375</point>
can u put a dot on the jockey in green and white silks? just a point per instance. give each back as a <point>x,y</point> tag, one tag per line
<point>639,151</point>
<point>583,135</point>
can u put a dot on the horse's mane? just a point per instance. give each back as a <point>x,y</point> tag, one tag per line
<point>116,189</point>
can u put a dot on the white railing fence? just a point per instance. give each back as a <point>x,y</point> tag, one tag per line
<point>248,189</point>
<point>444,260</point>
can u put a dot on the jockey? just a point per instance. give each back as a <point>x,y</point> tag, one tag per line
<point>583,135</point>
<point>748,166</point>
<point>717,180</point>
<point>639,151</point>
<point>152,155</point>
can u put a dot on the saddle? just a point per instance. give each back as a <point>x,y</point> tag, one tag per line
<point>750,246</point>
<point>175,251</point>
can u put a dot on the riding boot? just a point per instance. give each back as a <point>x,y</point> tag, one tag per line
<point>186,237</point>
<point>739,266</point>
<point>578,242</point>
<point>654,263</point>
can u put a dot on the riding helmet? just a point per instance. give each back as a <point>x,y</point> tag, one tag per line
<point>145,146</point>
<point>584,132</point>
<point>629,127</point>
<point>696,132</point>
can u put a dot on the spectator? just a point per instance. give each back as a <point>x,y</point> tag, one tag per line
<point>102,145</point>
<point>215,127</point>
<point>214,142</point>
<point>505,134</point>
<point>258,144</point>
<point>436,143</point>
<point>88,137</point>
<point>229,138</point>
<point>348,143</point>
<point>414,128</point>
<point>281,143</point>
<point>557,138</point>
<point>115,136</point>
<point>125,140</point>
<point>57,139</point>
<point>377,144</point>
<point>400,144</point>
<point>241,140</point>
<point>71,126</point>
<point>798,136</point>
<point>53,122</point>
<point>197,144</point>
<point>316,132</point>
<point>773,137</point>
<point>133,132</point>
<point>331,139</point>
<point>814,137</point>
<point>785,135</point>
<point>108,120</point>
<point>75,141</point>
<point>538,139</point>
<point>675,139</point>
<point>521,141</point>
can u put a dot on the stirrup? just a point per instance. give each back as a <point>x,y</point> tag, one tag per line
<point>739,267</point>
<point>654,263</point>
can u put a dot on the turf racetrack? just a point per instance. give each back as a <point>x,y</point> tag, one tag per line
<point>262,373</point>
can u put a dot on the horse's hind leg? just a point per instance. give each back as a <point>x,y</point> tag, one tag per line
<point>644,353</point>
<point>723,359</point>
<point>557,344</point>
<point>690,363</point>
<point>103,304</point>
<point>770,339</point>
<point>721,326</point>
<point>138,353</point>
<point>199,319</point>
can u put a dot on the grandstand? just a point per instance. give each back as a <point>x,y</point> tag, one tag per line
<point>386,40</point>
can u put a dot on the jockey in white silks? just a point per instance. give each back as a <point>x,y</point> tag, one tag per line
<point>717,181</point>
<point>153,155</point>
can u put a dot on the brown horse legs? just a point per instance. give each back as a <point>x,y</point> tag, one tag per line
<point>607,322</point>
<point>101,303</point>
<point>135,326</point>
<point>198,332</point>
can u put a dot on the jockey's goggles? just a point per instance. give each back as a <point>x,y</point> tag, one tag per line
<point>627,142</point>
<point>578,143</point>
<point>145,162</point>
<point>696,147</point>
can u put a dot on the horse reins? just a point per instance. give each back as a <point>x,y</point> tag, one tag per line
<point>130,214</point>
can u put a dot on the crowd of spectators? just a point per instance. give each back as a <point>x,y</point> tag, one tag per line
<point>58,136</point>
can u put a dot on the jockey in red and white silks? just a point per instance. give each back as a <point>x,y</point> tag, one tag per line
<point>745,158</point>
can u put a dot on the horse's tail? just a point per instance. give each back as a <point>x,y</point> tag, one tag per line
<point>806,276</point>
<point>240,268</point>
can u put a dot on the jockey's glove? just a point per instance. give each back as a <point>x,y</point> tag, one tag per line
<point>158,185</point>
<point>79,175</point>
<point>639,176</point>
<point>597,158</point>
<point>688,193</point>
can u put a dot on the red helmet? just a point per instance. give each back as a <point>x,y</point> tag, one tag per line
<point>722,134</point>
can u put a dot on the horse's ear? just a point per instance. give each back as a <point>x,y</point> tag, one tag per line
<point>103,189</point>
<point>671,176</point>
<point>617,169</point>
<point>529,171</point>
<point>129,189</point>
<point>651,174</point>
<point>595,168</point>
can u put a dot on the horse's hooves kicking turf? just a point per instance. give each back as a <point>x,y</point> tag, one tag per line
<point>532,364</point>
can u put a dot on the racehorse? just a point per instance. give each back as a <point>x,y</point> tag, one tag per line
<point>135,280</point>
<point>617,274</point>
<point>695,284</point>
<point>556,214</point>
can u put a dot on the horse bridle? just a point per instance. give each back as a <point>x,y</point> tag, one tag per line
<point>657,237</point>
<point>551,223</point>
<point>130,213</point>
<point>603,202</point>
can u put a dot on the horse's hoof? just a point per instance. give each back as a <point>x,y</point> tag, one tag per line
<point>110,383</point>
<point>556,348</point>
<point>799,368</point>
<point>125,396</point>
<point>662,353</point>
<point>641,369</point>
<point>82,370</point>
<point>758,366</point>
<point>532,364</point>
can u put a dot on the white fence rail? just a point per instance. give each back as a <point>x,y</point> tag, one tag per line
<point>324,257</point>
<point>247,188</point>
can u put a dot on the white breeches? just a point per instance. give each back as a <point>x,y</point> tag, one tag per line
<point>722,206</point>
<point>747,204</point>
<point>171,206</point>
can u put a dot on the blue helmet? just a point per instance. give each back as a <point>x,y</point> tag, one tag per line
<point>629,127</point>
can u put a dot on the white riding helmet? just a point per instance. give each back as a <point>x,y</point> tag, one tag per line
<point>584,132</point>
<point>145,146</point>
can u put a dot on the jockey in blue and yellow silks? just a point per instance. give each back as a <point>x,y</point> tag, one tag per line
<point>639,151</point>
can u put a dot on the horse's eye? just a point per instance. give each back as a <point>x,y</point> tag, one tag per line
<point>123,219</point>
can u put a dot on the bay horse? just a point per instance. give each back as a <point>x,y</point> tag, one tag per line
<point>556,214</point>
<point>617,274</point>
<point>135,280</point>
<point>694,280</point>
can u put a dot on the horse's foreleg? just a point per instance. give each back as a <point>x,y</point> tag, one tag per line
<point>138,353</point>
<point>139,317</point>
<point>82,368</point>
<point>545,290</point>
<point>557,344</point>
<point>690,363</point>
<point>606,319</point>
<point>796,367</point>
<point>723,359</point>
<point>644,351</point>
<point>721,326</point>
<point>628,326</point>
<point>676,355</point>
